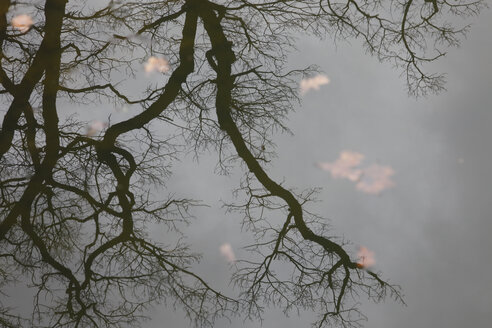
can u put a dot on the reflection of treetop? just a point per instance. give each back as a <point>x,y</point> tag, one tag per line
<point>77,203</point>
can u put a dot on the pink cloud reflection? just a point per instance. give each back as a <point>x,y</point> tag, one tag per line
<point>227,252</point>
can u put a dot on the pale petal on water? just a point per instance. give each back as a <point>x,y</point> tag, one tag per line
<point>95,127</point>
<point>227,252</point>
<point>375,179</point>
<point>313,83</point>
<point>122,109</point>
<point>156,64</point>
<point>344,166</point>
<point>365,257</point>
<point>22,22</point>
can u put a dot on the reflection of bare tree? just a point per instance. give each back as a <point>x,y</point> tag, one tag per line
<point>75,209</point>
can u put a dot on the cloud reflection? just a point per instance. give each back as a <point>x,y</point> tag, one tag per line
<point>22,23</point>
<point>227,252</point>
<point>313,83</point>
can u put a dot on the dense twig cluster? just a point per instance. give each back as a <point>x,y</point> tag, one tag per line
<point>76,209</point>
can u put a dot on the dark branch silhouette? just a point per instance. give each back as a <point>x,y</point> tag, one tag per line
<point>76,208</point>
